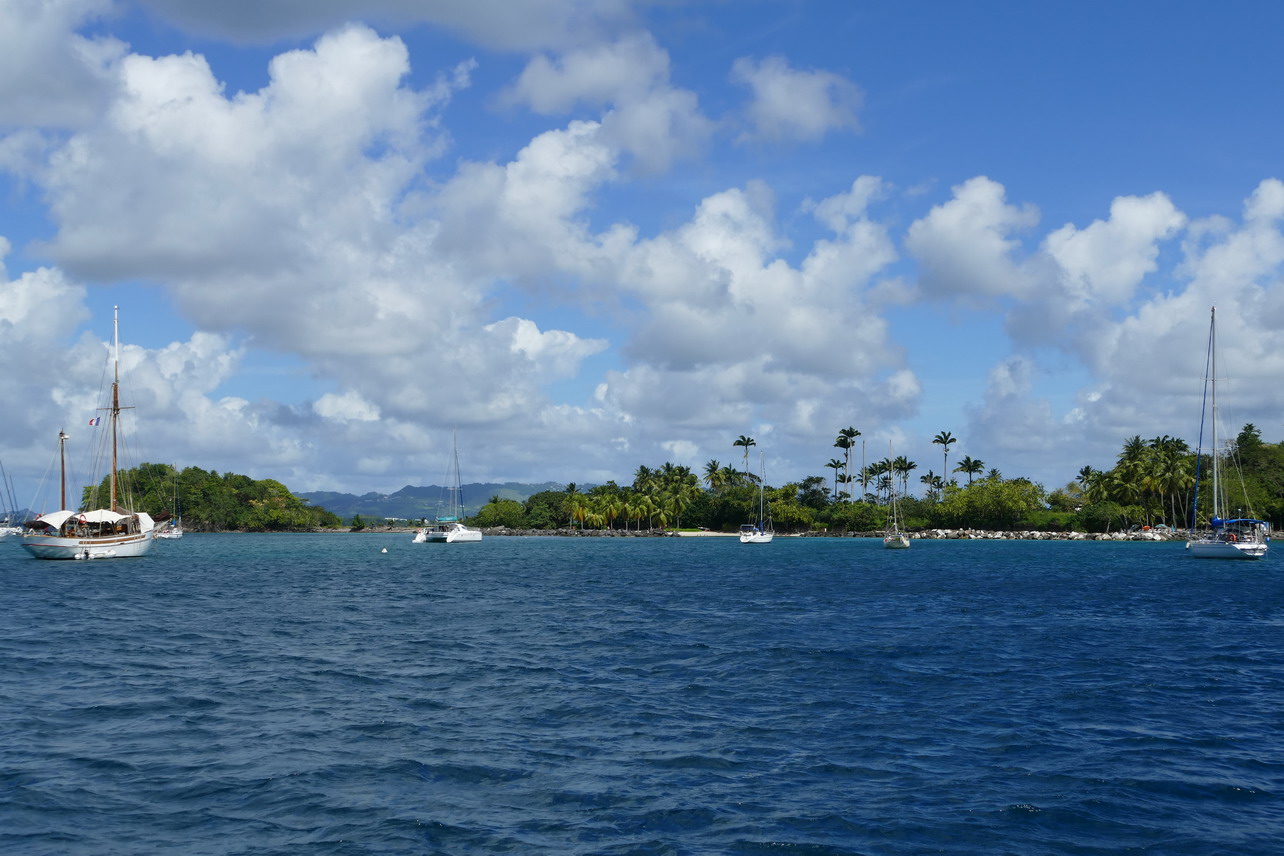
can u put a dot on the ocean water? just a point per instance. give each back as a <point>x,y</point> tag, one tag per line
<point>310,694</point>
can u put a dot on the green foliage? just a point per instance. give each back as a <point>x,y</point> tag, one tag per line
<point>501,512</point>
<point>547,510</point>
<point>208,501</point>
<point>992,503</point>
<point>1154,481</point>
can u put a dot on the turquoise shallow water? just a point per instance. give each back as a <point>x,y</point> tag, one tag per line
<point>243,694</point>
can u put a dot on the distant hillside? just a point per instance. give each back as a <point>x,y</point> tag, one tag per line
<point>413,503</point>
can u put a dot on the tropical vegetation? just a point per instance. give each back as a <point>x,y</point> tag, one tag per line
<point>1151,484</point>
<point>209,501</point>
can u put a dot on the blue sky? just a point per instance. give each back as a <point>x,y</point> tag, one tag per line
<point>591,236</point>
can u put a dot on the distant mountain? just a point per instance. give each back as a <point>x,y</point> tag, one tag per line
<point>413,503</point>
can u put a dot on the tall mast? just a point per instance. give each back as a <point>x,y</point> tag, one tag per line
<point>1217,453</point>
<point>62,469</point>
<point>115,396</point>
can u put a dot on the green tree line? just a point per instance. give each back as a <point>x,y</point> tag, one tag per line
<point>208,501</point>
<point>1153,483</point>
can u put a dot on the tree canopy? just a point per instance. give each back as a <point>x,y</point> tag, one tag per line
<point>213,502</point>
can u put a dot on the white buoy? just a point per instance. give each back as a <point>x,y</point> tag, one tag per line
<point>384,550</point>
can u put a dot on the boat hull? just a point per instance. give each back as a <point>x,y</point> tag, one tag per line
<point>455,533</point>
<point>896,542</point>
<point>1216,549</point>
<point>756,537</point>
<point>115,547</point>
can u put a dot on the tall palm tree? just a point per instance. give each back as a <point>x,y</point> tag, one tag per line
<point>835,464</point>
<point>946,439</point>
<point>746,442</point>
<point>971,466</point>
<point>878,473</point>
<point>847,441</point>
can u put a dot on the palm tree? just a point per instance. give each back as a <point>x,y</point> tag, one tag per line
<point>847,441</point>
<point>746,442</point>
<point>835,464</point>
<point>946,439</point>
<point>579,508</point>
<point>878,473</point>
<point>902,467</point>
<point>971,466</point>
<point>713,476</point>
<point>932,482</point>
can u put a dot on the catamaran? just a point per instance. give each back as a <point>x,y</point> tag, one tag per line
<point>448,528</point>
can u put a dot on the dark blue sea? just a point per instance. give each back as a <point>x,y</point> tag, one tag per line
<point>310,694</point>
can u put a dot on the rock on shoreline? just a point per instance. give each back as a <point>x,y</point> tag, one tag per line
<point>1021,535</point>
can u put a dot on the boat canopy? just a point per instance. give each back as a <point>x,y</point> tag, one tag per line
<point>55,519</point>
<point>1217,522</point>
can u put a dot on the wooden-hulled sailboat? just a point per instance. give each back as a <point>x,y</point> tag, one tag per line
<point>102,533</point>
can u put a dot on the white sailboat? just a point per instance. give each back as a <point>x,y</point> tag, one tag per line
<point>7,526</point>
<point>174,530</point>
<point>1241,537</point>
<point>893,537</point>
<point>760,532</point>
<point>102,533</point>
<point>448,528</point>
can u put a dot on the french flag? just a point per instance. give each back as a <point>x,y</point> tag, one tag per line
<point>95,421</point>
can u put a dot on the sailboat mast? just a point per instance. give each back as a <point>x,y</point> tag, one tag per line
<point>115,397</point>
<point>1217,452</point>
<point>62,469</point>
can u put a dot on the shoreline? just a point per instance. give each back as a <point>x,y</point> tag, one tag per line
<point>922,535</point>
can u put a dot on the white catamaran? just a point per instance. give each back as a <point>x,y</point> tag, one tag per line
<point>1238,538</point>
<point>448,528</point>
<point>102,533</point>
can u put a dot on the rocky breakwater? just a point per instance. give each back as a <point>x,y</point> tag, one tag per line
<point>1033,535</point>
<point>580,533</point>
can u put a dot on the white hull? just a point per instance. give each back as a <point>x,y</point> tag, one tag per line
<point>114,547</point>
<point>1208,548</point>
<point>896,541</point>
<point>170,535</point>
<point>454,533</point>
<point>756,537</point>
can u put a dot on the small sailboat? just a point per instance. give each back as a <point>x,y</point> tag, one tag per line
<point>893,537</point>
<point>448,528</point>
<point>174,530</point>
<point>7,527</point>
<point>761,531</point>
<point>1241,537</point>
<point>102,533</point>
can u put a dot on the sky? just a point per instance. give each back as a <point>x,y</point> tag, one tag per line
<point>588,236</point>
